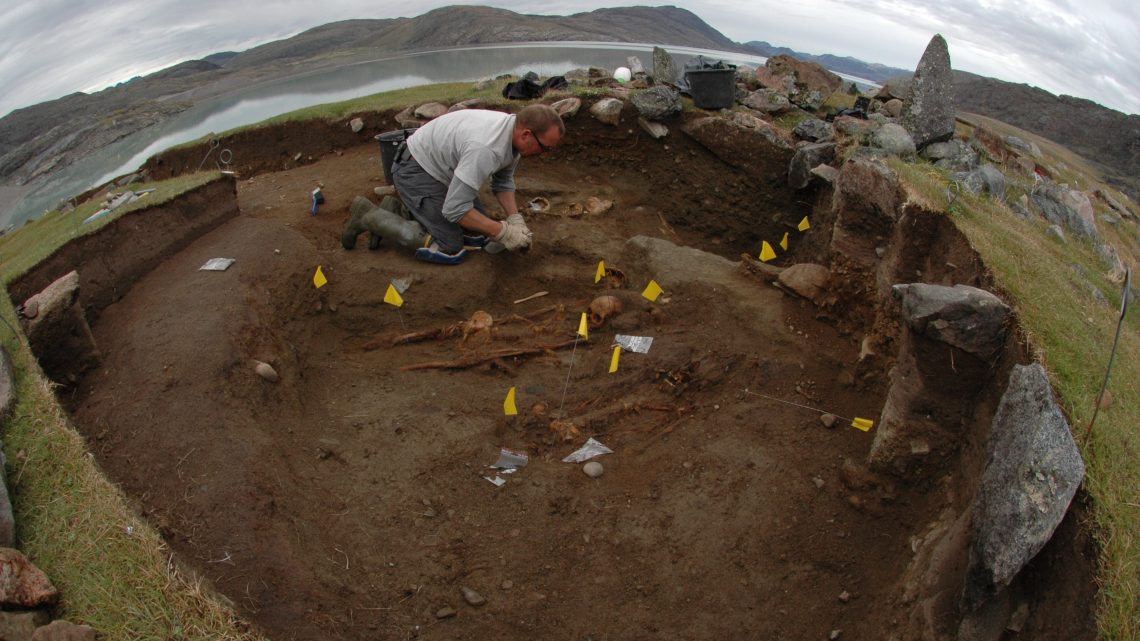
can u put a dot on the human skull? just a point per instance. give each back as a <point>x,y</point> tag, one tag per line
<point>603,307</point>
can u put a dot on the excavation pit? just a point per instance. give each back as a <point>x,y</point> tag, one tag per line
<point>347,499</point>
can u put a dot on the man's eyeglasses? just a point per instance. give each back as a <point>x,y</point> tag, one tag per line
<point>541,146</point>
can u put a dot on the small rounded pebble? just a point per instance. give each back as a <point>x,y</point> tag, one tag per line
<point>828,420</point>
<point>445,613</point>
<point>593,469</point>
<point>508,584</point>
<point>266,371</point>
<point>472,597</point>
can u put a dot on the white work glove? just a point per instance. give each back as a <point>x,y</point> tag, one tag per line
<point>515,235</point>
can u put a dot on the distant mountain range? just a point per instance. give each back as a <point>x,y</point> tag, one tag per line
<point>37,140</point>
<point>841,64</point>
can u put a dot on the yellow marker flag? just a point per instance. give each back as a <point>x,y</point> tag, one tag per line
<point>392,297</point>
<point>614,360</point>
<point>582,327</point>
<point>509,403</point>
<point>652,291</point>
<point>864,424</point>
<point>767,253</point>
<point>319,279</point>
<point>804,225</point>
<point>784,242</point>
<point>601,273</point>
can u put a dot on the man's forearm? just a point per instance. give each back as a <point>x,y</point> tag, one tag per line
<point>475,221</point>
<point>507,202</point>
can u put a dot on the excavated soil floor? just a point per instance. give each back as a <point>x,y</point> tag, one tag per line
<point>347,500</point>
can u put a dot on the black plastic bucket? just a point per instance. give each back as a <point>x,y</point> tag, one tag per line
<point>712,88</point>
<point>389,142</point>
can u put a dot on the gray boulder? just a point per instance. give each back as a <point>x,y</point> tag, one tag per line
<point>634,64</point>
<point>1020,145</point>
<point>607,110</point>
<point>826,173</point>
<point>894,140</point>
<point>658,102</point>
<point>928,110</point>
<point>7,517</point>
<point>654,129</point>
<point>893,107</point>
<point>760,152</point>
<point>811,84</point>
<point>1033,469</point>
<point>7,386</point>
<point>58,333</point>
<point>19,626</point>
<point>664,69</point>
<point>984,179</point>
<point>430,110</point>
<point>894,88</point>
<point>1053,202</point>
<point>806,279</point>
<point>805,159</point>
<point>22,584</point>
<point>61,630</point>
<point>815,130</point>
<point>768,101</point>
<point>954,155</point>
<point>965,317</point>
<point>567,107</point>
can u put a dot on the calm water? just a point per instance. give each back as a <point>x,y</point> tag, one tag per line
<point>258,102</point>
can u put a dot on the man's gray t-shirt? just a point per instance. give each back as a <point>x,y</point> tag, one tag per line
<point>462,150</point>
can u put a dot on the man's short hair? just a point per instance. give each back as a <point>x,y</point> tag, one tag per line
<point>540,119</point>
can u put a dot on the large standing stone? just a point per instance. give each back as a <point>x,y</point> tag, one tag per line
<point>664,69</point>
<point>607,110</point>
<point>658,102</point>
<point>806,158</point>
<point>965,317</point>
<point>23,584</point>
<point>1033,469</point>
<point>928,111</point>
<point>759,152</point>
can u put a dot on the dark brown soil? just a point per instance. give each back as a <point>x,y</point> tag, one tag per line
<point>348,499</point>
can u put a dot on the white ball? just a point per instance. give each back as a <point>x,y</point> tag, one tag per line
<point>622,74</point>
<point>593,469</point>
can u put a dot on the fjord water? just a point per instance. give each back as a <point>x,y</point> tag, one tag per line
<point>353,79</point>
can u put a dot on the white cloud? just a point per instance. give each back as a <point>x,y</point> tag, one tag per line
<point>49,48</point>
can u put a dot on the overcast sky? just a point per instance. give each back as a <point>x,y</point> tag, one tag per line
<point>1085,48</point>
